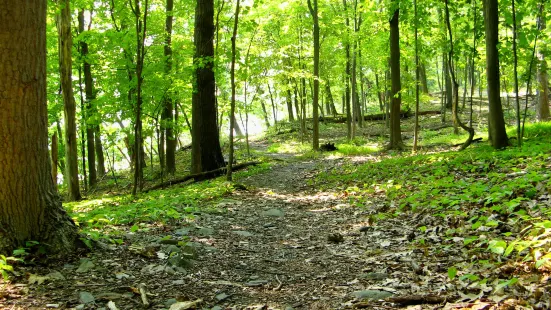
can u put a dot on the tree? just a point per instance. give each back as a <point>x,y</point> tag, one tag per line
<point>168,109</point>
<point>395,130</point>
<point>90,95</point>
<point>314,12</point>
<point>206,154</point>
<point>232,111</point>
<point>543,78</point>
<point>30,208</point>
<point>65,41</point>
<point>496,123</point>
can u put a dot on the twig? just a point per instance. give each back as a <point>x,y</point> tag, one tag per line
<point>280,284</point>
<point>143,294</point>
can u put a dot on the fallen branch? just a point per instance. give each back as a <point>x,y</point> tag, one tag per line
<point>143,294</point>
<point>474,140</point>
<point>202,176</point>
<point>377,117</point>
<point>416,300</point>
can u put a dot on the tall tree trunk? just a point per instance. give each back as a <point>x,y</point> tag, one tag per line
<point>30,208</point>
<point>167,116</point>
<point>417,69</point>
<point>274,110</point>
<point>395,130</point>
<point>141,29</point>
<point>448,83</point>
<point>90,113</point>
<point>65,41</point>
<point>314,12</point>
<point>349,128</point>
<point>233,122</point>
<point>455,84</point>
<point>543,90</point>
<point>497,134</point>
<point>206,154</point>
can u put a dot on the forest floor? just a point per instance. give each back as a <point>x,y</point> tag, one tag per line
<point>294,238</point>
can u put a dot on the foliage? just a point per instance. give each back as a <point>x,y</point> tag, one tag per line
<point>493,200</point>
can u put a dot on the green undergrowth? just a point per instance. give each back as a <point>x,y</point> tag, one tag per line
<point>497,202</point>
<point>107,218</point>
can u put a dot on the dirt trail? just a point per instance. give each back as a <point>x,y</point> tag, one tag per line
<point>281,244</point>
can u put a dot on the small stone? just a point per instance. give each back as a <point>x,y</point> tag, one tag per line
<point>80,307</point>
<point>222,297</point>
<point>243,233</point>
<point>86,297</point>
<point>205,231</point>
<point>274,213</point>
<point>182,231</point>
<point>371,294</point>
<point>216,308</point>
<point>268,225</point>
<point>170,302</point>
<point>255,283</point>
<point>375,276</point>
<point>121,275</point>
<point>52,306</point>
<point>85,265</point>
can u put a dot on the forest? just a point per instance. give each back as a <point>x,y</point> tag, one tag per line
<point>261,154</point>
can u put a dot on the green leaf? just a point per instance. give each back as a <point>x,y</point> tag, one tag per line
<point>452,272</point>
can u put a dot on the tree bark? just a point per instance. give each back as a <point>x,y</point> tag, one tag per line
<point>206,154</point>
<point>349,129</point>
<point>289,99</point>
<point>54,158</point>
<point>99,152</point>
<point>497,134</point>
<point>30,208</point>
<point>65,41</point>
<point>543,90</point>
<point>395,130</point>
<point>229,176</point>
<point>315,112</point>
<point>423,77</point>
<point>90,96</point>
<point>167,122</point>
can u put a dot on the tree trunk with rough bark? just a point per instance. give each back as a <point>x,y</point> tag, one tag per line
<point>30,208</point>
<point>496,123</point>
<point>543,78</point>
<point>167,122</point>
<point>90,96</point>
<point>206,154</point>
<point>396,99</point>
<point>65,41</point>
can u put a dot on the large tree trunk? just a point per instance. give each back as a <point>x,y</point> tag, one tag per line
<point>497,133</point>
<point>448,83</point>
<point>65,41</point>
<point>30,208</point>
<point>90,95</point>
<point>167,122</point>
<point>206,154</point>
<point>395,130</point>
